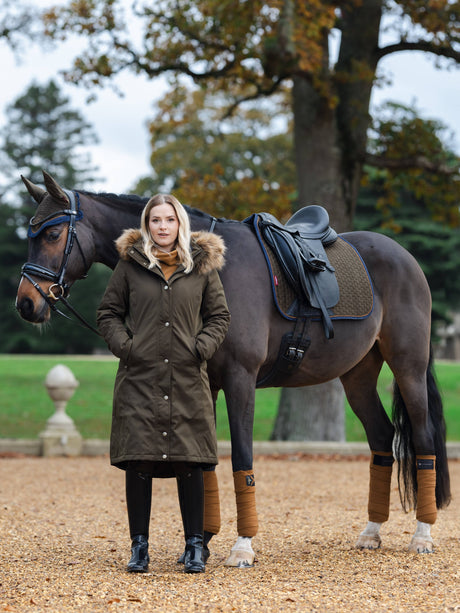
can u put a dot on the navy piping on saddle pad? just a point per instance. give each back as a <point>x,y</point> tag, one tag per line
<point>273,281</point>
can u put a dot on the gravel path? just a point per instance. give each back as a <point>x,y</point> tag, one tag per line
<point>65,544</point>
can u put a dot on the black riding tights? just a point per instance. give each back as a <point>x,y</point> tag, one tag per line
<point>191,499</point>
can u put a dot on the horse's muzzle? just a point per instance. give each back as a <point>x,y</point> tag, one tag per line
<point>32,312</point>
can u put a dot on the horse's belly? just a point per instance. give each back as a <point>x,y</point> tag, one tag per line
<point>328,359</point>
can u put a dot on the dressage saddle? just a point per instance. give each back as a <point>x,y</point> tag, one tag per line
<point>299,246</point>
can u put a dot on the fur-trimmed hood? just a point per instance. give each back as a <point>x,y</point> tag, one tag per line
<point>208,249</point>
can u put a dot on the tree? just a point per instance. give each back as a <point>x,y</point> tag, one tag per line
<point>228,168</point>
<point>253,50</point>
<point>416,206</point>
<point>43,131</point>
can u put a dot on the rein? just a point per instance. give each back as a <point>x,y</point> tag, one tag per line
<point>59,290</point>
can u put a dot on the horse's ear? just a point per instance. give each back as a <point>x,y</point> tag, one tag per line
<point>54,189</point>
<point>36,192</point>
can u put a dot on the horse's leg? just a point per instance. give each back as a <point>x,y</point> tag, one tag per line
<point>240,398</point>
<point>360,386</point>
<point>419,419</point>
<point>211,519</point>
<point>413,394</point>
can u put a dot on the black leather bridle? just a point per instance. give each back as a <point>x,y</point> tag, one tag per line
<point>59,290</point>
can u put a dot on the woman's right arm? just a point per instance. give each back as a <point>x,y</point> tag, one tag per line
<point>113,311</point>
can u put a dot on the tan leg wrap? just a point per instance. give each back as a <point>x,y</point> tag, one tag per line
<point>426,488</point>
<point>211,521</point>
<point>380,470</point>
<point>245,492</point>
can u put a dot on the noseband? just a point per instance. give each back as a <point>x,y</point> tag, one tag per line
<point>59,290</point>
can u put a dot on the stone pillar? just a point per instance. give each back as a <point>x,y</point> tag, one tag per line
<point>60,437</point>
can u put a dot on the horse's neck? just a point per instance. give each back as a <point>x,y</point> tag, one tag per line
<point>108,217</point>
<point>108,220</point>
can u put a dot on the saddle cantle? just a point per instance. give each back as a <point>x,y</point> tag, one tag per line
<point>299,246</point>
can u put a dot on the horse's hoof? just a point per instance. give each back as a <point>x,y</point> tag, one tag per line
<point>366,541</point>
<point>421,545</point>
<point>240,559</point>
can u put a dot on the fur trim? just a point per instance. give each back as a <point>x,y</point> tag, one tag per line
<point>213,252</point>
<point>208,249</point>
<point>127,240</point>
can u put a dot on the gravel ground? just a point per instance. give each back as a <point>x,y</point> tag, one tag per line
<point>65,544</point>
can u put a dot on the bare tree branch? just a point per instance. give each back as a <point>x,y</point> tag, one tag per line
<point>420,162</point>
<point>421,45</point>
<point>259,93</point>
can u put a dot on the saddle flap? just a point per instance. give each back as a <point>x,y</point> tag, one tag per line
<point>305,265</point>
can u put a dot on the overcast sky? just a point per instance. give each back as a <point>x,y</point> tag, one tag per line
<point>120,123</point>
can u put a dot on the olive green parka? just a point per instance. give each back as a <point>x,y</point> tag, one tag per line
<point>164,332</point>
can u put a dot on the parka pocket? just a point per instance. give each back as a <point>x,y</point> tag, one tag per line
<point>127,351</point>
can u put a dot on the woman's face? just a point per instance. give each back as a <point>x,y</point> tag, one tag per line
<point>164,226</point>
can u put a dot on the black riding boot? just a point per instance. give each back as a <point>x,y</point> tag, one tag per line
<point>207,536</point>
<point>191,500</point>
<point>138,501</point>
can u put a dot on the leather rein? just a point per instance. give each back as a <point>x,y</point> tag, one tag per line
<point>59,290</point>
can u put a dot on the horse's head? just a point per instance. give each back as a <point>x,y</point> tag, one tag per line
<point>53,265</point>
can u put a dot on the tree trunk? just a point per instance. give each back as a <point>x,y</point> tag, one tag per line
<point>315,412</point>
<point>330,143</point>
<point>322,419</point>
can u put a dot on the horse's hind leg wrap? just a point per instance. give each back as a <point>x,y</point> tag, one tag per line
<point>211,521</point>
<point>426,489</point>
<point>245,492</point>
<point>380,469</point>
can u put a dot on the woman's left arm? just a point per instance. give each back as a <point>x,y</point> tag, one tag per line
<point>215,315</point>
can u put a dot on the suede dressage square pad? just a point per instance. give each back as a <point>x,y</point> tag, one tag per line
<point>355,286</point>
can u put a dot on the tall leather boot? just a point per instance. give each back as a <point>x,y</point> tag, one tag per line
<point>191,500</point>
<point>138,502</point>
<point>207,536</point>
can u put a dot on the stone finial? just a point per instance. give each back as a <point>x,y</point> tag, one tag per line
<point>60,436</point>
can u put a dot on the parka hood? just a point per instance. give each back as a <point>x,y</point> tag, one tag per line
<point>208,249</point>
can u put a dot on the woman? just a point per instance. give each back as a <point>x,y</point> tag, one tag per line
<point>164,314</point>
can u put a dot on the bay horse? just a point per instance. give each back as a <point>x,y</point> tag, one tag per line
<point>73,229</point>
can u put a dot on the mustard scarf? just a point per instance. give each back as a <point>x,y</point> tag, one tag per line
<point>168,262</point>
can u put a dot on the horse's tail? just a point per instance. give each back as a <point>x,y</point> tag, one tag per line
<point>404,449</point>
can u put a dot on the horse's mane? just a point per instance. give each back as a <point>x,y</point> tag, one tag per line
<point>121,201</point>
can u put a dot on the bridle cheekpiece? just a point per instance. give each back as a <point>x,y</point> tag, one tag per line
<point>59,290</point>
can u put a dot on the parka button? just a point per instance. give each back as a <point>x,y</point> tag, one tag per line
<point>164,456</point>
<point>166,397</point>
<point>166,287</point>
<point>167,324</point>
<point>166,360</point>
<point>164,433</point>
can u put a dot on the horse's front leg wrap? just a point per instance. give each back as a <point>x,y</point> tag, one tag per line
<point>380,469</point>
<point>245,492</point>
<point>211,522</point>
<point>426,489</point>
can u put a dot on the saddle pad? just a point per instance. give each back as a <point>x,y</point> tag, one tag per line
<point>355,286</point>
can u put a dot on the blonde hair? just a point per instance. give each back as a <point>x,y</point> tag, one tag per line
<point>183,236</point>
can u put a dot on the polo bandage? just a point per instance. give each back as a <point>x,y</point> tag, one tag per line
<point>211,522</point>
<point>380,470</point>
<point>245,492</point>
<point>426,488</point>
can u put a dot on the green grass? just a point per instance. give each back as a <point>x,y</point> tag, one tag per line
<point>25,405</point>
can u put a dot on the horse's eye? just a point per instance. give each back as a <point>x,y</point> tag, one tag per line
<point>53,236</point>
